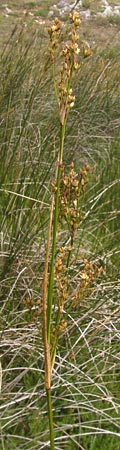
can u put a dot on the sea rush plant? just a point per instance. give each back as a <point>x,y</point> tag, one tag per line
<point>64,209</point>
<point>87,333</point>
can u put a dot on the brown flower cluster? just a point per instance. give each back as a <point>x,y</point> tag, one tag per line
<point>69,53</point>
<point>54,32</point>
<point>89,274</point>
<point>34,307</point>
<point>62,291</point>
<point>71,187</point>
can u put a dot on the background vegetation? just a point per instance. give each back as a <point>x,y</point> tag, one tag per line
<point>85,390</point>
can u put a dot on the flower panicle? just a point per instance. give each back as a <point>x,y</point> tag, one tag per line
<point>69,54</point>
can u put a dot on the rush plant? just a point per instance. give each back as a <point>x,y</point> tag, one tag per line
<point>64,209</point>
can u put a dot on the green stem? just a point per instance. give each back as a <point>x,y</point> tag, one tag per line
<point>50,415</point>
<point>53,351</point>
<point>55,224</point>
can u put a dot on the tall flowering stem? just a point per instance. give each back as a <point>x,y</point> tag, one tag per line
<point>65,100</point>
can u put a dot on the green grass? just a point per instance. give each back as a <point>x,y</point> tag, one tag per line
<point>86,4</point>
<point>85,391</point>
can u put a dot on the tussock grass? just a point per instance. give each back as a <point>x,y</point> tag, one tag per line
<point>85,390</point>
